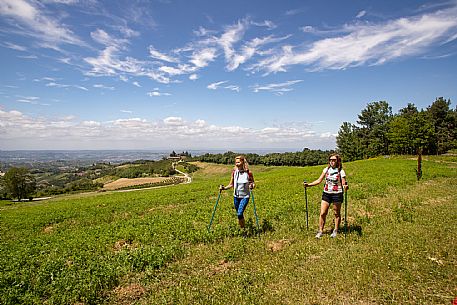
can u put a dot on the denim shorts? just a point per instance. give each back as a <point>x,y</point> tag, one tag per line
<point>332,198</point>
<point>240,206</point>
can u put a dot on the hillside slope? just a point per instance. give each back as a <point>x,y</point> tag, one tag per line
<point>153,247</point>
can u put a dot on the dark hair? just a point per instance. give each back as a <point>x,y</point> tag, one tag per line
<point>339,163</point>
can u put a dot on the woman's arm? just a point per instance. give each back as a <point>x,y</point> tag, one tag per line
<point>345,183</point>
<point>229,186</point>
<point>251,181</point>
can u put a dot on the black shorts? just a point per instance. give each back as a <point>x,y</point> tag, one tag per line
<point>332,198</point>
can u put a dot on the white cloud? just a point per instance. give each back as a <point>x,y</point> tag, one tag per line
<point>250,49</point>
<point>202,58</point>
<point>127,111</point>
<point>203,32</point>
<point>31,21</point>
<point>157,93</point>
<point>308,29</point>
<point>28,56</point>
<point>361,14</point>
<point>173,121</point>
<point>128,32</point>
<point>214,86</point>
<point>267,23</point>
<point>231,36</point>
<point>109,64</point>
<point>38,132</point>
<point>193,76</point>
<point>371,44</point>
<point>101,86</point>
<point>14,46</point>
<point>105,39</point>
<point>57,85</point>
<point>62,1</point>
<point>90,124</point>
<point>277,88</point>
<point>137,84</point>
<point>157,55</point>
<point>233,88</point>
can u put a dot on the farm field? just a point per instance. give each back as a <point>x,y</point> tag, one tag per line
<point>127,182</point>
<point>153,246</point>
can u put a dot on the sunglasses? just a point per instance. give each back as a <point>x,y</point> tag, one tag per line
<point>332,159</point>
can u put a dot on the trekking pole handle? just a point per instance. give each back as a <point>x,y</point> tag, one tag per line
<point>221,188</point>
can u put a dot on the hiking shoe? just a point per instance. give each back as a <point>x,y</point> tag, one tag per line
<point>319,235</point>
<point>333,235</point>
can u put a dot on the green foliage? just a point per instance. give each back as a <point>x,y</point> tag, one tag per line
<point>349,142</point>
<point>306,157</point>
<point>432,131</point>
<point>19,183</point>
<point>188,167</point>
<point>162,168</point>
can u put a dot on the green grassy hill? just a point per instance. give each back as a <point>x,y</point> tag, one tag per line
<point>152,246</point>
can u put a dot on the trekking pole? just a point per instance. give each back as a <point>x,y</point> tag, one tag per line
<point>306,201</point>
<point>255,211</point>
<point>345,211</point>
<point>214,210</point>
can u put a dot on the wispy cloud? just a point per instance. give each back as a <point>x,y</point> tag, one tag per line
<point>203,57</point>
<point>101,86</point>
<point>371,44</point>
<point>217,85</point>
<point>104,38</point>
<point>157,55</point>
<point>156,92</point>
<point>214,86</point>
<point>58,85</point>
<point>267,23</point>
<point>31,20</point>
<point>109,63</point>
<point>32,100</point>
<point>361,14</point>
<point>278,88</point>
<point>14,46</point>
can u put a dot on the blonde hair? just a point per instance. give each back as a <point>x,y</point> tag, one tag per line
<point>243,161</point>
<point>339,163</point>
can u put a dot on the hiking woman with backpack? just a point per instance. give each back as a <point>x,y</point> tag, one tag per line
<point>242,182</point>
<point>335,181</point>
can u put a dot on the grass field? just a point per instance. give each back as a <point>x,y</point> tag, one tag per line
<point>153,247</point>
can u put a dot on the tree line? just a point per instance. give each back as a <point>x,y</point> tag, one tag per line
<point>306,157</point>
<point>410,131</point>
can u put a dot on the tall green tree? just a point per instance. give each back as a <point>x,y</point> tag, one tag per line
<point>349,142</point>
<point>410,132</point>
<point>444,123</point>
<point>374,120</point>
<point>19,182</point>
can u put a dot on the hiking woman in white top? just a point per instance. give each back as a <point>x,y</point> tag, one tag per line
<point>242,182</point>
<point>335,181</point>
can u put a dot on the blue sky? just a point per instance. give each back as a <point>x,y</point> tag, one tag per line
<point>91,74</point>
